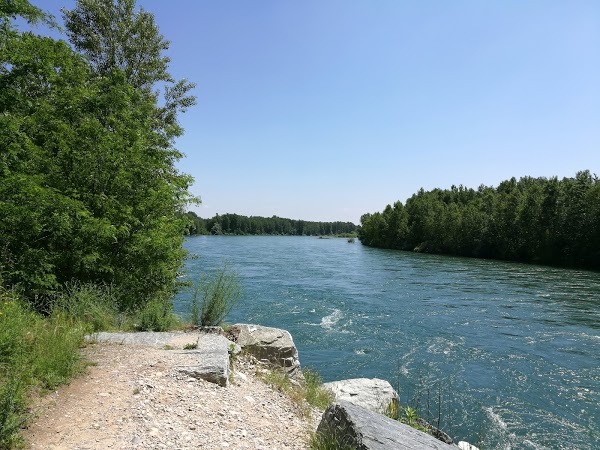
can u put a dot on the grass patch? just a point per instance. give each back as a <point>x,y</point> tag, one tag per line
<point>35,352</point>
<point>93,304</point>
<point>303,393</point>
<point>316,395</point>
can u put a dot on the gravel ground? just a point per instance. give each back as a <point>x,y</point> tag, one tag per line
<point>132,397</point>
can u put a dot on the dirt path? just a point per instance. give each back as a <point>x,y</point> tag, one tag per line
<point>133,398</point>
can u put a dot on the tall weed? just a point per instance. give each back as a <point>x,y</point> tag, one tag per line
<point>214,297</point>
<point>55,356</point>
<point>94,304</point>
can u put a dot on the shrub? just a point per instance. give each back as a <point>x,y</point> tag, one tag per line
<point>219,293</point>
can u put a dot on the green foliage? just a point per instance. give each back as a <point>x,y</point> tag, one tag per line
<point>536,220</point>
<point>218,294</point>
<point>88,185</point>
<point>156,315</point>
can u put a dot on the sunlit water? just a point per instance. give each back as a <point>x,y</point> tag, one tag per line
<point>515,348</point>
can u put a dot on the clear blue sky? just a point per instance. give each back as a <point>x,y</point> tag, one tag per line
<point>325,110</point>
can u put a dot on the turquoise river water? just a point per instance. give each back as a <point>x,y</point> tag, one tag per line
<point>514,349</point>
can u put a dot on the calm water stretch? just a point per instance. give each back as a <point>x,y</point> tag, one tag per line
<point>515,348</point>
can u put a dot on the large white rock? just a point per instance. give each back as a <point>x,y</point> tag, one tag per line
<point>271,344</point>
<point>370,393</point>
<point>464,445</point>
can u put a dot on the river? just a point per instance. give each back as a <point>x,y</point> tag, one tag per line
<point>514,349</point>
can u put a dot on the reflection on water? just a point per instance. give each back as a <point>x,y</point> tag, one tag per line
<point>516,347</point>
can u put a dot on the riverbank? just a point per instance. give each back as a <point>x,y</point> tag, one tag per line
<point>132,397</point>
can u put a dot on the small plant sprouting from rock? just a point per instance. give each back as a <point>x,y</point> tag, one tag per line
<point>415,417</point>
<point>214,297</point>
<point>191,346</point>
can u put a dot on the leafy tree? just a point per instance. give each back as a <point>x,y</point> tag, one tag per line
<point>114,35</point>
<point>88,187</point>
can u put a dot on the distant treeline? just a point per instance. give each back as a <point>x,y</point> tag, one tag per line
<point>537,220</point>
<point>255,225</point>
<point>243,225</point>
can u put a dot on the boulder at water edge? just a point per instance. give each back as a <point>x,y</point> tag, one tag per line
<point>270,344</point>
<point>359,428</point>
<point>371,393</point>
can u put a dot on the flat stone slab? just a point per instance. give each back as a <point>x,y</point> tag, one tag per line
<point>371,393</point>
<point>211,350</point>
<point>148,338</point>
<point>363,429</point>
<point>212,355</point>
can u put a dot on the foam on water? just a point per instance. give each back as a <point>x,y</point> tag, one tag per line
<point>329,321</point>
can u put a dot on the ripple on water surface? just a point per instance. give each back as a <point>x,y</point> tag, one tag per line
<point>515,347</point>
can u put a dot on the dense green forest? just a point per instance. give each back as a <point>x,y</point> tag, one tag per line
<point>540,220</point>
<point>242,225</point>
<point>89,191</point>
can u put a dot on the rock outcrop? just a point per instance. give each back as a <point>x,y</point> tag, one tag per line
<point>271,345</point>
<point>370,393</point>
<point>361,429</point>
